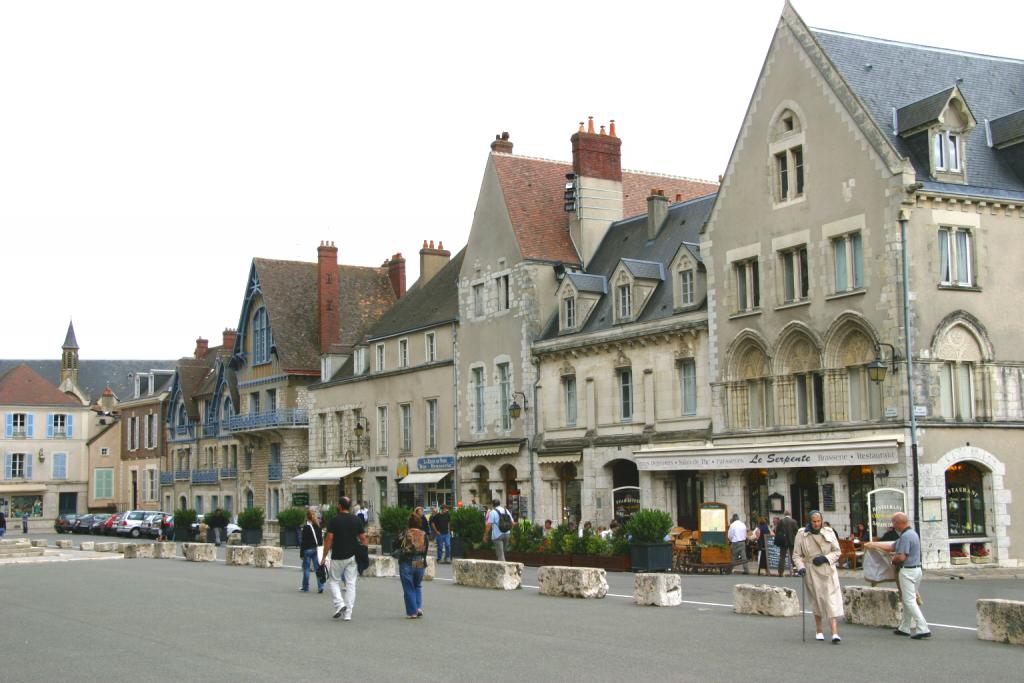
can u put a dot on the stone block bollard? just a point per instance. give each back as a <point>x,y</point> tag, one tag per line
<point>239,555</point>
<point>872,606</point>
<point>660,590</point>
<point>506,576</point>
<point>104,546</point>
<point>431,569</point>
<point>164,550</point>
<point>137,550</point>
<point>63,543</point>
<point>1001,621</point>
<point>39,543</point>
<point>572,582</point>
<point>199,552</point>
<point>122,546</point>
<point>381,566</point>
<point>87,545</point>
<point>770,601</point>
<point>374,549</point>
<point>268,556</point>
<point>235,539</point>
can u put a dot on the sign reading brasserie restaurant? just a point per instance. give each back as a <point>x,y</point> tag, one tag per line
<point>435,463</point>
<point>730,459</point>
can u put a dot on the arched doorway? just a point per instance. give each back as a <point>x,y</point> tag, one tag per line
<point>483,485</point>
<point>804,494</point>
<point>509,475</point>
<point>571,490</point>
<point>625,489</point>
<point>861,480</point>
<point>689,496</point>
<point>183,503</point>
<point>757,496</point>
<point>965,500</point>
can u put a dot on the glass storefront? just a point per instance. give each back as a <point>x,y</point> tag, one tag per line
<point>965,500</point>
<point>861,480</point>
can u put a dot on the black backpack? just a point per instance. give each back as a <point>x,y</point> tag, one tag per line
<point>505,521</point>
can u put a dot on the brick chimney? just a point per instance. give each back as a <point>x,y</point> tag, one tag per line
<point>328,293</point>
<point>229,336</point>
<point>107,400</point>
<point>657,209</point>
<point>202,346</point>
<point>396,273</point>
<point>597,169</point>
<point>502,144</point>
<point>432,260</point>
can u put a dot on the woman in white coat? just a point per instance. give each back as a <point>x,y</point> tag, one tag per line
<point>815,554</point>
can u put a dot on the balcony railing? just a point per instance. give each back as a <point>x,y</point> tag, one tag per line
<point>211,429</point>
<point>167,478</point>
<point>274,472</point>
<point>285,417</point>
<point>181,475</point>
<point>228,473</point>
<point>204,476</point>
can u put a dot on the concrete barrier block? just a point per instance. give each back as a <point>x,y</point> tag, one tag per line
<point>381,566</point>
<point>1001,621</point>
<point>572,582</point>
<point>268,556</point>
<point>87,545</point>
<point>506,576</point>
<point>374,549</point>
<point>164,550</point>
<point>431,569</point>
<point>660,590</point>
<point>235,539</point>
<point>770,601</point>
<point>39,543</point>
<point>105,547</point>
<point>63,543</point>
<point>199,552</point>
<point>137,550</point>
<point>872,606</point>
<point>239,555</point>
<point>122,546</point>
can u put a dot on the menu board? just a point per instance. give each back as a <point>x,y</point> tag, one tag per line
<point>714,522</point>
<point>882,505</point>
<point>828,497</point>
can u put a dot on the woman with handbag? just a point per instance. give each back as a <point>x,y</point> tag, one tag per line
<point>412,562</point>
<point>311,549</point>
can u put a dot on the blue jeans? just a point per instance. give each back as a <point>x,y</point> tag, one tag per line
<point>444,542</point>
<point>412,590</point>
<point>309,563</point>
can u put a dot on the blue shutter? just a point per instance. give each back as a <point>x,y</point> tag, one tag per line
<point>7,465</point>
<point>60,466</point>
<point>9,429</point>
<point>29,425</point>
<point>70,425</point>
<point>49,425</point>
<point>28,466</point>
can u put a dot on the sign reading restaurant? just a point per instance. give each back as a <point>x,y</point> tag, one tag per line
<point>762,456</point>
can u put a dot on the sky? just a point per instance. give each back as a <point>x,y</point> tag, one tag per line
<point>150,150</point>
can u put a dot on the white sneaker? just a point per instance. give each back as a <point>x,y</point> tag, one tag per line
<point>819,636</point>
<point>348,614</point>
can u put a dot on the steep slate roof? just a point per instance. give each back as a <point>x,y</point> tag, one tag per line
<point>923,111</point>
<point>69,340</point>
<point>534,191</point>
<point>902,74</point>
<point>647,270</point>
<point>1007,128</point>
<point>290,292</point>
<point>584,282</point>
<point>94,375</point>
<point>627,239</point>
<point>193,373</point>
<point>437,301</point>
<point>22,386</point>
<point>208,384</point>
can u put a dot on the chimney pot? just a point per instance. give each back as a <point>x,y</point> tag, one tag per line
<point>581,128</point>
<point>504,135</point>
<point>440,244</point>
<point>501,143</point>
<point>602,131</point>
<point>611,128</point>
<point>202,346</point>
<point>590,125</point>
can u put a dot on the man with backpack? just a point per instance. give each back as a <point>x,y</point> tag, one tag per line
<point>499,526</point>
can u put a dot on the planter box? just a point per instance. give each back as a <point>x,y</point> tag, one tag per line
<point>480,554</point>
<point>184,534</point>
<point>611,563</point>
<point>289,538</point>
<point>252,537</point>
<point>458,547</point>
<point>959,560</point>
<point>387,543</point>
<point>980,560</point>
<point>650,557</point>
<point>715,556</point>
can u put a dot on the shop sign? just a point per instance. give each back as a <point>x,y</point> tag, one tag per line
<point>882,505</point>
<point>739,461</point>
<point>435,463</point>
<point>300,498</point>
<point>627,501</point>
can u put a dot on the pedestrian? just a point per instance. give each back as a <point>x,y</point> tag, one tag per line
<point>412,561</point>
<point>311,550</point>
<point>548,527</point>
<point>344,532</point>
<point>761,535</point>
<point>815,554</point>
<point>906,553</point>
<point>586,530</point>
<point>3,524</point>
<point>498,518</point>
<point>24,521</point>
<point>785,537</point>
<point>364,513</point>
<point>441,524</point>
<point>738,542</point>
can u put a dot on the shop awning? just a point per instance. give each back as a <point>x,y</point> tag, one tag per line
<point>483,451</point>
<point>22,488</point>
<point>325,475</point>
<point>423,478</point>
<point>559,458</point>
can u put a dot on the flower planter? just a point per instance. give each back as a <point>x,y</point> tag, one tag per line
<point>611,563</point>
<point>980,560</point>
<point>458,547</point>
<point>959,560</point>
<point>650,557</point>
<point>252,537</point>
<point>715,556</point>
<point>289,537</point>
<point>480,553</point>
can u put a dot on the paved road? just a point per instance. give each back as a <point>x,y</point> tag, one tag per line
<point>159,620</point>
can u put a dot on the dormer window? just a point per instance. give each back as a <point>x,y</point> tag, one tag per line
<point>937,126</point>
<point>624,302</point>
<point>569,312</point>
<point>686,287</point>
<point>946,148</point>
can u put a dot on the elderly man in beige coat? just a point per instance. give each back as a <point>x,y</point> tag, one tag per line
<point>815,554</point>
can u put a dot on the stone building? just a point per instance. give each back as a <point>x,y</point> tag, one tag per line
<point>855,154</point>
<point>534,219</point>
<point>142,441</point>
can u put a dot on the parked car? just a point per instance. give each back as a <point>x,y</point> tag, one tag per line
<point>64,523</point>
<point>111,524</point>
<point>97,523</point>
<point>228,530</point>
<point>151,524</point>
<point>131,523</point>
<point>82,524</point>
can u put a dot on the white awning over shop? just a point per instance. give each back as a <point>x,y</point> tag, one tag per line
<point>560,458</point>
<point>423,478</point>
<point>511,449</point>
<point>22,488</point>
<point>872,450</point>
<point>325,475</point>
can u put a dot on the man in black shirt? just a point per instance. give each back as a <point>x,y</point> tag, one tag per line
<point>442,533</point>
<point>344,532</point>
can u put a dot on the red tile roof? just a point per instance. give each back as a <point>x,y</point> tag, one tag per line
<point>23,386</point>
<point>534,195</point>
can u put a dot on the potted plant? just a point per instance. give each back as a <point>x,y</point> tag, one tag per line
<point>467,529</point>
<point>980,554</point>
<point>184,518</point>
<point>715,553</point>
<point>289,521</point>
<point>392,521</point>
<point>251,521</point>
<point>648,550</point>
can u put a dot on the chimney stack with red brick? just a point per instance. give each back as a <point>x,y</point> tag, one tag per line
<point>328,292</point>
<point>396,273</point>
<point>432,260</point>
<point>502,144</point>
<point>229,336</point>
<point>202,346</point>
<point>597,180</point>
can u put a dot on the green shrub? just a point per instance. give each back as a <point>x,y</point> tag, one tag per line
<point>291,517</point>
<point>394,520</point>
<point>249,519</point>
<point>328,514</point>
<point>595,545</point>
<point>526,537</point>
<point>184,517</point>
<point>468,523</point>
<point>649,526</point>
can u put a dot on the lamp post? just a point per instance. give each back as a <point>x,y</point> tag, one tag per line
<point>515,410</point>
<point>362,425</point>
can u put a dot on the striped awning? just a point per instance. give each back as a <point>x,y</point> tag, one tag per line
<point>483,451</point>
<point>325,475</point>
<point>559,458</point>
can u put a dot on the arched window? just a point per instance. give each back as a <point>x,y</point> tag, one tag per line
<point>965,500</point>
<point>509,475</point>
<point>852,349</point>
<point>960,352</point>
<point>248,500</point>
<point>260,336</point>
<point>182,503</point>
<point>483,485</point>
<point>802,389</point>
<point>750,399</point>
<point>787,150</point>
<point>182,415</point>
<point>228,409</point>
<point>861,480</point>
<point>625,488</point>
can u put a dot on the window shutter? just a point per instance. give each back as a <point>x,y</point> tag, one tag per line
<point>28,465</point>
<point>9,429</point>
<point>7,464</point>
<point>60,466</point>
<point>49,425</point>
<point>30,425</point>
<point>70,425</point>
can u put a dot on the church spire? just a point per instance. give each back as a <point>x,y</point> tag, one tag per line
<point>69,340</point>
<point>69,357</point>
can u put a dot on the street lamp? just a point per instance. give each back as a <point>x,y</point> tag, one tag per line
<point>877,368</point>
<point>359,430</point>
<point>515,410</point>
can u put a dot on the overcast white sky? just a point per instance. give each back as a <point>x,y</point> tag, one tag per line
<point>149,150</point>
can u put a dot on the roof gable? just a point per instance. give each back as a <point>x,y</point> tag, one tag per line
<point>435,302</point>
<point>22,386</point>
